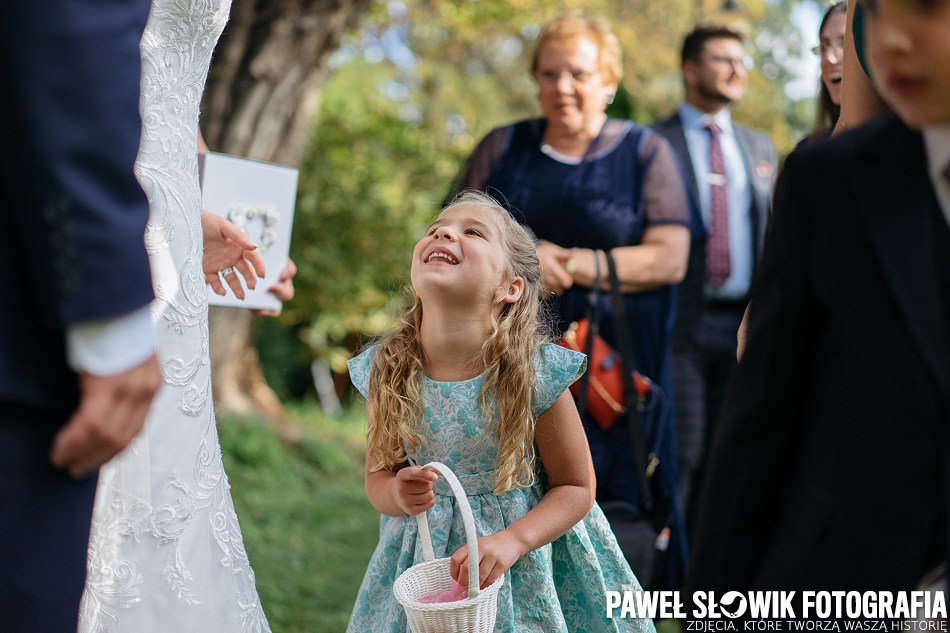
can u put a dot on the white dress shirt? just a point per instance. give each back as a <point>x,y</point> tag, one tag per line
<point>106,347</point>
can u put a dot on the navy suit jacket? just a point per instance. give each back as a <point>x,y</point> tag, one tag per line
<point>72,214</point>
<point>759,157</point>
<point>827,468</point>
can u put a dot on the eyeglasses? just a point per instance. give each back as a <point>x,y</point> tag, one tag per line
<point>822,49</point>
<point>551,78</point>
<point>743,62</point>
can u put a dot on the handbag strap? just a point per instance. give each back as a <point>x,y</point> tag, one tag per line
<point>593,328</point>
<point>629,391</point>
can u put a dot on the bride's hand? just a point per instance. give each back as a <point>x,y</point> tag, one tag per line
<point>225,246</point>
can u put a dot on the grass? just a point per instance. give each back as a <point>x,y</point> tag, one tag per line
<point>308,528</point>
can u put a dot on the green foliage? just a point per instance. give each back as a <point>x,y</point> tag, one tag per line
<point>371,184</point>
<point>308,529</point>
<point>765,108</point>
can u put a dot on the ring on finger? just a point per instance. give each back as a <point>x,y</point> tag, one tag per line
<point>230,270</point>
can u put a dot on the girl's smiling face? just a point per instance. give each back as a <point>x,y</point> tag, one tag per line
<point>461,259</point>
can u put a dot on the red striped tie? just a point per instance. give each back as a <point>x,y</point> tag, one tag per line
<point>717,245</point>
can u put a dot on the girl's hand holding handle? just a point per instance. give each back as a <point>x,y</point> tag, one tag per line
<point>412,489</point>
<point>498,553</point>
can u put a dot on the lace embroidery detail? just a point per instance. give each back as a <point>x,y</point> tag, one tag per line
<point>193,400</point>
<point>165,544</point>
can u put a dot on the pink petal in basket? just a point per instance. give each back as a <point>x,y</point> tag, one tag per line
<point>456,593</point>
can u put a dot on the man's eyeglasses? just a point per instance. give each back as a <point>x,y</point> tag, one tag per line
<point>822,49</point>
<point>744,62</point>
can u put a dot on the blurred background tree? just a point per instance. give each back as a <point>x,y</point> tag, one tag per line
<point>403,97</point>
<point>262,93</point>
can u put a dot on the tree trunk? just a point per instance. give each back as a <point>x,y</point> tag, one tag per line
<point>262,93</point>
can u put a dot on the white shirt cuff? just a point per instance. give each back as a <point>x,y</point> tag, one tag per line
<point>105,347</point>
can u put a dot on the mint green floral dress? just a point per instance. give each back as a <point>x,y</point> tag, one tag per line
<point>559,587</point>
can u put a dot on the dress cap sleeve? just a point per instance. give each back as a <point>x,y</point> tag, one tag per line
<point>557,368</point>
<point>359,367</point>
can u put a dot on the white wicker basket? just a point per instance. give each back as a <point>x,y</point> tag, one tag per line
<point>474,614</point>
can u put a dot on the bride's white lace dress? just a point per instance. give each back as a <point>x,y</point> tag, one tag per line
<point>166,552</point>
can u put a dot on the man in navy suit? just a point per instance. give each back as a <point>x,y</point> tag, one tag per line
<point>729,173</point>
<point>77,359</point>
<point>831,466</point>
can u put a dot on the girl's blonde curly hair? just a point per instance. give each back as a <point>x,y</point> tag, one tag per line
<point>395,411</point>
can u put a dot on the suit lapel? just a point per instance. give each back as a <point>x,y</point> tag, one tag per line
<point>899,224</point>
<point>677,139</point>
<point>761,186</point>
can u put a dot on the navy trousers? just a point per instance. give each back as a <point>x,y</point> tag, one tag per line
<point>44,527</point>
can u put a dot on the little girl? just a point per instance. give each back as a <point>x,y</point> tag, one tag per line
<point>468,380</point>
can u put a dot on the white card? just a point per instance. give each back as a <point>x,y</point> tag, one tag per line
<point>259,199</point>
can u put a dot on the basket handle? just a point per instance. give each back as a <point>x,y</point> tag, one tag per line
<point>471,536</point>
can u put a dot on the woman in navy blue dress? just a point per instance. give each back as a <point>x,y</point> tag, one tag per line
<point>585,183</point>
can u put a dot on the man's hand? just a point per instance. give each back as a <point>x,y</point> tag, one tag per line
<point>111,412</point>
<point>742,334</point>
<point>226,246</point>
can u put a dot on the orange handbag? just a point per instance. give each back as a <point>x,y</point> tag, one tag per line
<point>605,399</point>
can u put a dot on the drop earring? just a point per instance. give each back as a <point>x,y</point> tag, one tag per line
<point>610,98</point>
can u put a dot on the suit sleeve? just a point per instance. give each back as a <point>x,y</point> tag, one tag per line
<point>73,128</point>
<point>760,424</point>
